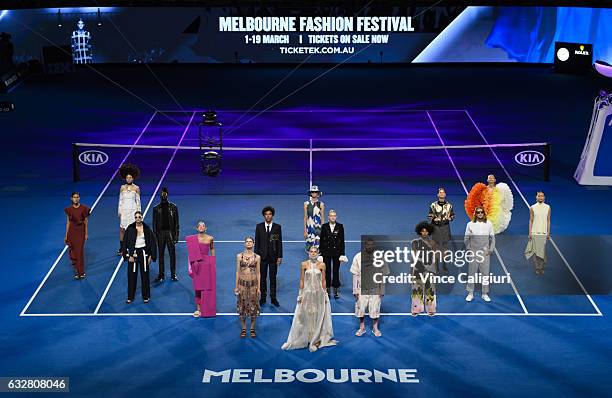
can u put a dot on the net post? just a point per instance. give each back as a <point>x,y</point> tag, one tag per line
<point>76,175</point>
<point>547,162</point>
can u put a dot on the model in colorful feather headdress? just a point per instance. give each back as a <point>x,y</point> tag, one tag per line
<point>496,199</point>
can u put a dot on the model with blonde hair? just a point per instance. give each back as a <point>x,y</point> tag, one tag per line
<point>247,285</point>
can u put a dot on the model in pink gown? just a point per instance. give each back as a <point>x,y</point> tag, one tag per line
<point>203,272</point>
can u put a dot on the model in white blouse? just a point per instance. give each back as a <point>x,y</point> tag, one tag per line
<point>479,236</point>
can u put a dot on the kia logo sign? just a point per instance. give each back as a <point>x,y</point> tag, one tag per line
<point>93,158</point>
<point>529,158</point>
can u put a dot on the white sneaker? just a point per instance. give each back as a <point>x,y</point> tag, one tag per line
<point>486,297</point>
<point>469,297</point>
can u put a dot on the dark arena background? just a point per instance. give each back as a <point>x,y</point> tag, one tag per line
<point>230,107</point>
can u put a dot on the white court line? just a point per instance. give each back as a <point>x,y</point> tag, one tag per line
<point>311,149</point>
<point>190,314</point>
<point>325,110</point>
<point>518,296</point>
<point>284,241</point>
<point>527,204</point>
<point>110,180</point>
<point>447,153</point>
<point>315,139</point>
<point>310,165</point>
<point>153,196</point>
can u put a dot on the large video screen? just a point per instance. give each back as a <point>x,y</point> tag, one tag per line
<point>309,34</point>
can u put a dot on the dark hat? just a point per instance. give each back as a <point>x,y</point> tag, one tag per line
<point>315,188</point>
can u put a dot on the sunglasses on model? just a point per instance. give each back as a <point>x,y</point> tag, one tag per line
<point>479,212</point>
<point>138,217</point>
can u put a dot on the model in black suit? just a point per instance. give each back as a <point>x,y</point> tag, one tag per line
<point>332,247</point>
<point>269,246</point>
<point>139,257</point>
<point>166,230</point>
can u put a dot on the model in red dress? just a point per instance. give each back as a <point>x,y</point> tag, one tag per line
<point>76,234</point>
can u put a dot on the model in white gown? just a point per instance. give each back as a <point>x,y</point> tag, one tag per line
<point>312,322</point>
<point>129,203</point>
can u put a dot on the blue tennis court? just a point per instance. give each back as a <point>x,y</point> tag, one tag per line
<point>375,191</point>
